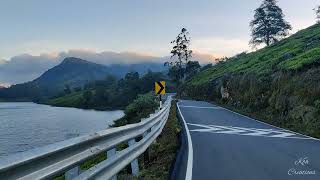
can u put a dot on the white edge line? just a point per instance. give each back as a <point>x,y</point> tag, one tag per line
<point>269,124</point>
<point>190,148</point>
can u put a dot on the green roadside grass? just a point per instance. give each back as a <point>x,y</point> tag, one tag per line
<point>163,151</point>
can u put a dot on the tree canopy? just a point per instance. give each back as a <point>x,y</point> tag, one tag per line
<point>181,54</point>
<point>268,25</point>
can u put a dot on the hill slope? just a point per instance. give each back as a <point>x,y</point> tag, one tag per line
<point>279,84</point>
<point>73,72</point>
<point>299,51</point>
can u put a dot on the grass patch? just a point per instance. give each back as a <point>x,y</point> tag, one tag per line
<point>163,152</point>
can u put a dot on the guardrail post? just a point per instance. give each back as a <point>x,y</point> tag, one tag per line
<point>111,153</point>
<point>134,163</point>
<point>72,173</point>
<point>146,154</point>
<point>153,127</point>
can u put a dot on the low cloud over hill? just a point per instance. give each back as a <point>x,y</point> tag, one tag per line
<point>25,67</point>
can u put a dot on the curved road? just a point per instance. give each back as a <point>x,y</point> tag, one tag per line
<point>228,146</point>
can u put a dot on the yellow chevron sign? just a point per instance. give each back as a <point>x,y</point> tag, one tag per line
<point>160,87</point>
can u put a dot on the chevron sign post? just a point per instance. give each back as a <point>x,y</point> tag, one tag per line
<point>160,89</point>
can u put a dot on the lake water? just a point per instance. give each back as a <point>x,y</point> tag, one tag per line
<point>24,126</point>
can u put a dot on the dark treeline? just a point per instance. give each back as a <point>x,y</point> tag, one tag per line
<point>110,93</point>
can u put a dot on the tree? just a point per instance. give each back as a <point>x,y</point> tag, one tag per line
<point>174,73</point>
<point>317,10</point>
<point>181,51</point>
<point>147,81</point>
<point>87,96</point>
<point>67,89</point>
<point>207,66</point>
<point>268,25</point>
<point>192,68</point>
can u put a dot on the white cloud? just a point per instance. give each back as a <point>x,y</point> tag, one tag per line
<point>2,61</point>
<point>27,67</point>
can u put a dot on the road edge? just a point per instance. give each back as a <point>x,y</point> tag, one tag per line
<point>190,147</point>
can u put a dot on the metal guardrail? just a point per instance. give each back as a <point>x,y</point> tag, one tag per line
<point>66,156</point>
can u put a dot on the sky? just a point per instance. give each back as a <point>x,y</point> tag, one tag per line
<point>217,27</point>
<point>36,35</point>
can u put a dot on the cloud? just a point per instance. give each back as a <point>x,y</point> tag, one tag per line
<point>4,85</point>
<point>2,61</point>
<point>26,67</point>
<point>109,57</point>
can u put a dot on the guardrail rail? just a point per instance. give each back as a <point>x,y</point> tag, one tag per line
<point>66,156</point>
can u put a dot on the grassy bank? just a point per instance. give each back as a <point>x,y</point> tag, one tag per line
<point>163,152</point>
<point>76,100</point>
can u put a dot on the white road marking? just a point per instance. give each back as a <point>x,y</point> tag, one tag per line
<point>201,107</point>
<point>232,130</point>
<point>190,149</point>
<point>258,133</point>
<point>306,136</point>
<point>242,131</point>
<point>283,135</point>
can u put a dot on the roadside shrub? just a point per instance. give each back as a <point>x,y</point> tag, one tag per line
<point>141,107</point>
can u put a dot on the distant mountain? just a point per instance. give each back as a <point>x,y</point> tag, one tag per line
<point>73,72</point>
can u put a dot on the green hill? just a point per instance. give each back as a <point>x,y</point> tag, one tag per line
<point>279,84</point>
<point>299,51</point>
<point>72,72</point>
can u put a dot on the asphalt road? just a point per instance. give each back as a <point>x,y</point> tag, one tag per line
<point>228,146</point>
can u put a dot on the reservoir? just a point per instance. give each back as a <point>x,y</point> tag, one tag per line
<point>26,125</point>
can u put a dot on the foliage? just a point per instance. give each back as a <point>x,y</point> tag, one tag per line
<point>268,25</point>
<point>71,100</point>
<point>181,51</point>
<point>140,108</point>
<point>205,67</point>
<point>163,151</point>
<point>110,93</point>
<point>192,68</point>
<point>317,11</point>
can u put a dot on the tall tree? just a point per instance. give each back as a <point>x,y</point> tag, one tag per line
<point>317,11</point>
<point>181,51</point>
<point>268,25</point>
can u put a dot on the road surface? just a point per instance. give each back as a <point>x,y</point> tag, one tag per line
<point>229,146</point>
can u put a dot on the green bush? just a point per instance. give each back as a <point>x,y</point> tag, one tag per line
<point>140,108</point>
